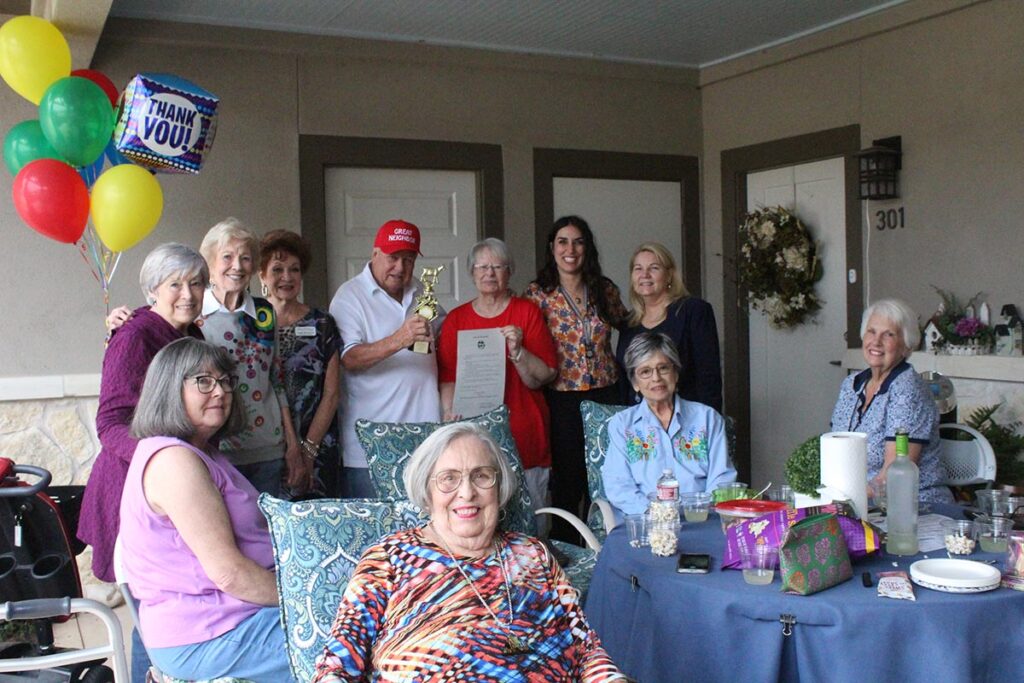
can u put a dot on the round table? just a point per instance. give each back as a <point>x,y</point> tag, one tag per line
<point>659,625</point>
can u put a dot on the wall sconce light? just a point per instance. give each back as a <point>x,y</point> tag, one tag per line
<point>879,169</point>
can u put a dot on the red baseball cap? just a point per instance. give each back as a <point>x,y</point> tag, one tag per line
<point>398,235</point>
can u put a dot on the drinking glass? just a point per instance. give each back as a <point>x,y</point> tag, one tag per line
<point>759,562</point>
<point>636,525</point>
<point>992,535</point>
<point>695,506</point>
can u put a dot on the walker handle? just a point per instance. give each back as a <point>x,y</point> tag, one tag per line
<point>40,608</point>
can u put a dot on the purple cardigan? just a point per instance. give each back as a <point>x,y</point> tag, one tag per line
<point>124,368</point>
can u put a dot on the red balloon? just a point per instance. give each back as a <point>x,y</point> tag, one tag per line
<point>100,79</point>
<point>52,198</point>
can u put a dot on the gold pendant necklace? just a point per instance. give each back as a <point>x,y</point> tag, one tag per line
<point>513,645</point>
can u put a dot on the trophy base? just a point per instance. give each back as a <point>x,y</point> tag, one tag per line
<point>421,347</point>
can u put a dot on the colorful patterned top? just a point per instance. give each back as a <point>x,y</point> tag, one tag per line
<point>902,402</point>
<point>409,615</point>
<point>577,371</point>
<point>694,447</point>
<point>306,348</point>
<point>247,333</point>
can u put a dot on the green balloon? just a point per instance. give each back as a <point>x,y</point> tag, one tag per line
<point>77,119</point>
<point>25,142</point>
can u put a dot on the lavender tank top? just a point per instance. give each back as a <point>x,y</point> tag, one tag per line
<point>179,604</point>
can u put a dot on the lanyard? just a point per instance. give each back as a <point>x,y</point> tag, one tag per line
<point>584,318</point>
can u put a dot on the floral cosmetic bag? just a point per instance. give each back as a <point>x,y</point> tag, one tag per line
<point>814,556</point>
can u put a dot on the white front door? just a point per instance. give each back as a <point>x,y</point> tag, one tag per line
<point>622,215</point>
<point>441,203</point>
<point>793,385</point>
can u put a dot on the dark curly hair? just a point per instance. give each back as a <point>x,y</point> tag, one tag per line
<point>277,242</point>
<point>597,284</point>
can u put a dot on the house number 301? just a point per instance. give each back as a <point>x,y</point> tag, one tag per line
<point>891,219</point>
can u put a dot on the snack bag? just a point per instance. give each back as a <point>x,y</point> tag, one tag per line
<point>862,537</point>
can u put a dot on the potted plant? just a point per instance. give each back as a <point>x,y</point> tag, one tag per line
<point>961,332</point>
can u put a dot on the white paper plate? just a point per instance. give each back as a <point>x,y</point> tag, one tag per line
<point>955,574</point>
<point>955,589</point>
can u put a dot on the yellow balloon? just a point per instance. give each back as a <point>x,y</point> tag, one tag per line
<point>126,203</point>
<point>33,55</point>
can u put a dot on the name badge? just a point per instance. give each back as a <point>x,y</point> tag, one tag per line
<point>305,331</point>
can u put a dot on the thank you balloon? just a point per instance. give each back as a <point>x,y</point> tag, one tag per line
<point>33,55</point>
<point>52,199</point>
<point>126,205</point>
<point>77,119</point>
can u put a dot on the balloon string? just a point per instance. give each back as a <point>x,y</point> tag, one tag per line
<point>81,252</point>
<point>117,260</point>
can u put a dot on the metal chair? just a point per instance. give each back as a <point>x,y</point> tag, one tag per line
<point>966,462</point>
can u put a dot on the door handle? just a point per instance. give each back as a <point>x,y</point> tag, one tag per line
<point>836,363</point>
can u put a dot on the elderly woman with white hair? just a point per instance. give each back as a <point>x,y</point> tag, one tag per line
<point>457,599</point>
<point>172,279</point>
<point>267,451</point>
<point>662,432</point>
<point>889,395</point>
<point>530,361</point>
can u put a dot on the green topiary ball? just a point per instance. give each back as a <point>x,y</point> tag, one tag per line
<point>803,468</point>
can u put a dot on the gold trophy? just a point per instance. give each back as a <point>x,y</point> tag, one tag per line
<point>426,303</point>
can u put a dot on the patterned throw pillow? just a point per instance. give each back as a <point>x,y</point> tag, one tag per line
<point>595,441</point>
<point>317,545</point>
<point>388,446</point>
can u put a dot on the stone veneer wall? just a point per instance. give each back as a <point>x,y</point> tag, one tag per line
<point>56,434</point>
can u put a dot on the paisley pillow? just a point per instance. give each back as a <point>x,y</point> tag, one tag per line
<point>388,446</point>
<point>317,545</point>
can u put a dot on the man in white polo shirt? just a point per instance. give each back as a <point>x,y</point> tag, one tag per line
<point>385,380</point>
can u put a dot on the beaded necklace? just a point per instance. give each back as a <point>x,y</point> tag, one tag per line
<point>514,645</point>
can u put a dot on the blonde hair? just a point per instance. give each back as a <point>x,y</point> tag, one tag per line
<point>227,230</point>
<point>676,289</point>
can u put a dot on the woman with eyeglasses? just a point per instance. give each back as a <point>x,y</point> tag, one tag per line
<point>456,599</point>
<point>195,548</point>
<point>530,357</point>
<point>661,432</point>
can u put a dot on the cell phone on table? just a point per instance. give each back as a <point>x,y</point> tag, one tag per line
<point>693,563</point>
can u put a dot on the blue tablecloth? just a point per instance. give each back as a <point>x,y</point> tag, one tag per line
<point>662,626</point>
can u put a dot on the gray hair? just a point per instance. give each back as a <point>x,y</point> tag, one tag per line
<point>170,260</point>
<point>161,408</point>
<point>229,229</point>
<point>420,466</point>
<point>496,247</point>
<point>897,312</point>
<point>645,345</point>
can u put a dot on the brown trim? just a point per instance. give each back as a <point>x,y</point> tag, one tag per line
<point>317,153</point>
<point>571,163</point>
<point>736,164</point>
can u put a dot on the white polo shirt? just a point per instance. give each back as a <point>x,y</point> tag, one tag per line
<point>400,388</point>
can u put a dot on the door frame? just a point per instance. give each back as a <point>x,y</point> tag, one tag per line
<point>736,164</point>
<point>317,153</point>
<point>575,163</point>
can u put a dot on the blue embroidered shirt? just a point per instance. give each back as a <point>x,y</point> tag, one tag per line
<point>639,449</point>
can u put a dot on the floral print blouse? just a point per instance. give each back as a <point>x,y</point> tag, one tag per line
<point>578,371</point>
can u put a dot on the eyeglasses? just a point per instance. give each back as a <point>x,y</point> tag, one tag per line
<point>206,383</point>
<point>489,267</point>
<point>447,481</point>
<point>647,371</point>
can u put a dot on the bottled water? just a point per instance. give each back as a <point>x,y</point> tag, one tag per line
<point>668,486</point>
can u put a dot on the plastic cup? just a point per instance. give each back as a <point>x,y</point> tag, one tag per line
<point>759,562</point>
<point>636,526</point>
<point>958,536</point>
<point>695,506</point>
<point>992,536</point>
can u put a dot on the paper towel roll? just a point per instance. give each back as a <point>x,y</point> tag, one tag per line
<point>844,467</point>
